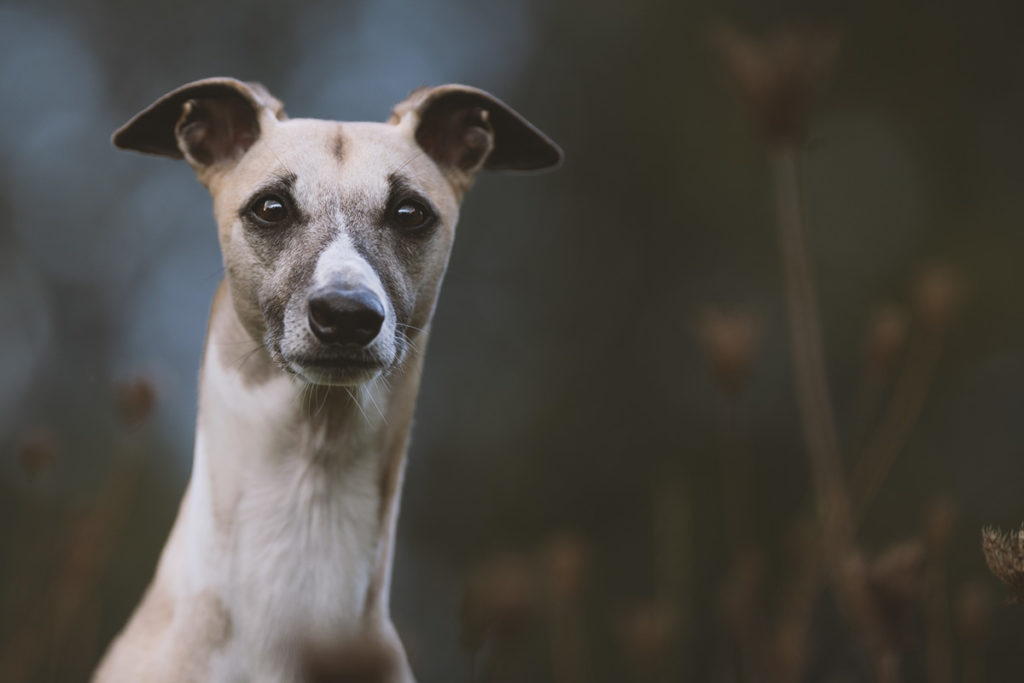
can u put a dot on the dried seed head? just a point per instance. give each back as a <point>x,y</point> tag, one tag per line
<point>973,609</point>
<point>36,452</point>
<point>779,75</point>
<point>500,595</point>
<point>887,334</point>
<point>565,560</point>
<point>136,398</point>
<point>895,578</point>
<point>1004,554</point>
<point>789,646</point>
<point>937,293</point>
<point>738,597</point>
<point>730,341</point>
<point>362,660</point>
<point>646,632</point>
<point>895,574</point>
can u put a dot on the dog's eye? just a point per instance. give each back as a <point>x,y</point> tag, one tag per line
<point>410,215</point>
<point>270,209</point>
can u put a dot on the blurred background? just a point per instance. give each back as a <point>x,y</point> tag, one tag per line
<point>608,478</point>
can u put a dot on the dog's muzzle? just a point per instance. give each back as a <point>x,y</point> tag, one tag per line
<point>345,317</point>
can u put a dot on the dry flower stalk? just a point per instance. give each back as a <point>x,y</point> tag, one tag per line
<point>730,339</point>
<point>646,632</point>
<point>779,75</point>
<point>740,609</point>
<point>808,356</point>
<point>888,331</point>
<point>789,645</point>
<point>501,596</point>
<point>565,561</point>
<point>91,543</point>
<point>937,293</point>
<point>673,559</point>
<point>565,564</point>
<point>973,608</point>
<point>908,399</point>
<point>939,524</point>
<point>37,452</point>
<point>896,577</point>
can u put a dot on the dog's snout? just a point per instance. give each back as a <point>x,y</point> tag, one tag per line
<point>345,316</point>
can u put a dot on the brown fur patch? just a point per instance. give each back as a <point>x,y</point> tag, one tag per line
<point>339,147</point>
<point>210,625</point>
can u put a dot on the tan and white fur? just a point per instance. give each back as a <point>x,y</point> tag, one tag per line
<point>286,532</point>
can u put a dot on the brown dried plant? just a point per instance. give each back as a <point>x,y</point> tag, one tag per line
<point>973,618</point>
<point>37,452</point>
<point>730,339</point>
<point>48,625</point>
<point>647,631</point>
<point>779,75</point>
<point>1004,553</point>
<point>564,559</point>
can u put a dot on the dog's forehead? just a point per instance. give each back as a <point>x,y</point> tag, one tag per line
<point>343,154</point>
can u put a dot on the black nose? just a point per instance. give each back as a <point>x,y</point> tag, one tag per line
<point>345,316</point>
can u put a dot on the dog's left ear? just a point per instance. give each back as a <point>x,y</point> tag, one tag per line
<point>464,129</point>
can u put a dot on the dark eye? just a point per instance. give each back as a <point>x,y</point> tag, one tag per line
<point>270,209</point>
<point>410,215</point>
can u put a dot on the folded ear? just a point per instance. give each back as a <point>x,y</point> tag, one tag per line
<point>464,129</point>
<point>206,122</point>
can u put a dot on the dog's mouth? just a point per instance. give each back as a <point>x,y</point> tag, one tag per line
<point>336,369</point>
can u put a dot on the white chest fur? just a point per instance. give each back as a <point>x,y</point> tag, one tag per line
<point>283,515</point>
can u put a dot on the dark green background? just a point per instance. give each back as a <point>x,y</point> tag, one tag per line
<point>563,375</point>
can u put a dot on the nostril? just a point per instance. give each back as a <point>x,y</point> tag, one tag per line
<point>345,316</point>
<point>320,313</point>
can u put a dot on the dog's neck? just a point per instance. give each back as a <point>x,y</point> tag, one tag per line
<point>294,492</point>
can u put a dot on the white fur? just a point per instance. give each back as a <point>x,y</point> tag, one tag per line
<point>280,523</point>
<point>298,528</point>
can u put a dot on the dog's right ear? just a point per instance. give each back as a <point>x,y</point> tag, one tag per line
<point>206,122</point>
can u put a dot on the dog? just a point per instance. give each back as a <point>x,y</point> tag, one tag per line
<point>335,238</point>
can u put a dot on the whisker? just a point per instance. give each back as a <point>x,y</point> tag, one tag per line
<point>407,341</point>
<point>358,404</point>
<point>369,395</point>
<point>323,403</point>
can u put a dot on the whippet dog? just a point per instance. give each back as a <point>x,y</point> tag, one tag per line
<point>335,238</point>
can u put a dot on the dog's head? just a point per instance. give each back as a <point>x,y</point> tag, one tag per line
<point>335,236</point>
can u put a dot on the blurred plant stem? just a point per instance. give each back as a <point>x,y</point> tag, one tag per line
<point>901,414</point>
<point>735,469</point>
<point>884,345</point>
<point>41,641</point>
<point>673,534</point>
<point>939,520</point>
<point>974,616</point>
<point>817,419</point>
<point>565,560</point>
<point>808,356</point>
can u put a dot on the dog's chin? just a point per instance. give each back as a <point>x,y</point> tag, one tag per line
<point>336,372</point>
